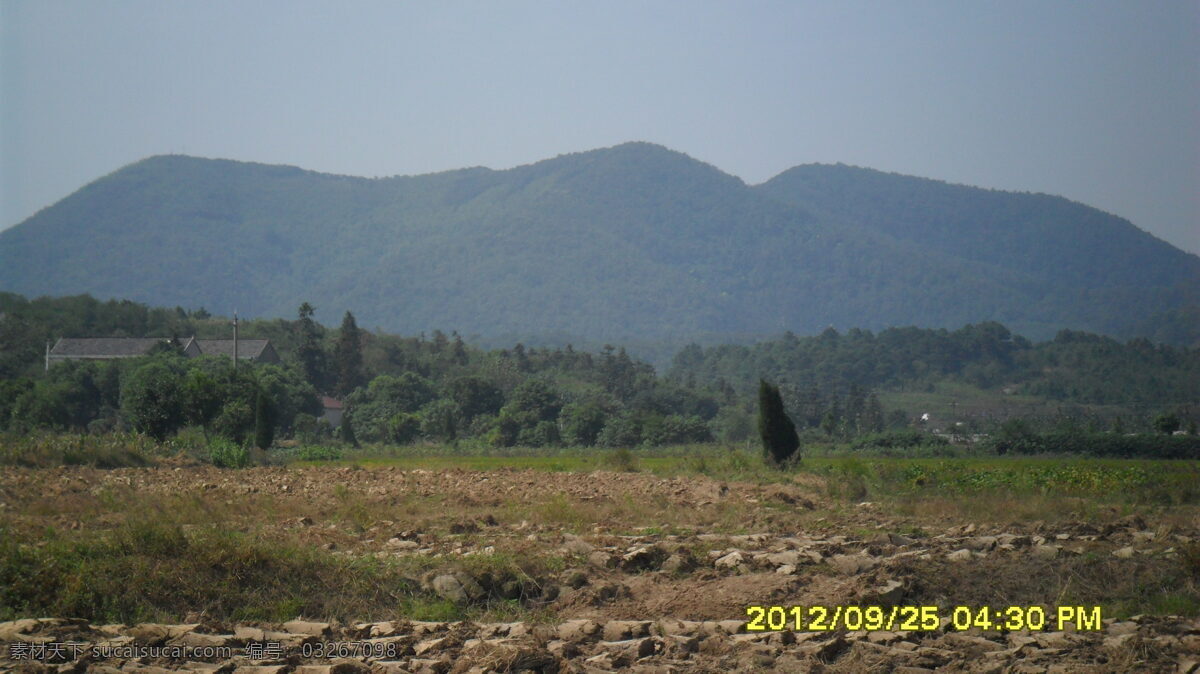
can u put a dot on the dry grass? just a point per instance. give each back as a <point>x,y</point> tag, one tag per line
<point>162,526</point>
<point>1123,587</point>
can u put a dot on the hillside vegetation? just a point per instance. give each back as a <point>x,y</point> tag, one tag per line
<point>1075,366</point>
<point>624,244</point>
<point>440,389</point>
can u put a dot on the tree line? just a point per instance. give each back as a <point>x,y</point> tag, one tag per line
<point>395,389</point>
<point>437,387</point>
<point>1075,366</point>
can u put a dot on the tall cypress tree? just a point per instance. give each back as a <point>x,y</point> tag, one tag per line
<point>264,421</point>
<point>778,433</point>
<point>309,351</point>
<point>460,351</point>
<point>347,356</point>
<point>346,430</point>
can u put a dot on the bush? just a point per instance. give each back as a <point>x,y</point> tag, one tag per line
<point>311,430</point>
<point>732,425</point>
<point>544,434</point>
<point>403,428</point>
<point>226,454</point>
<point>905,439</point>
<point>1166,423</point>
<point>1107,445</point>
<point>621,460</point>
<point>235,421</point>
<point>1017,437</point>
<point>620,431</point>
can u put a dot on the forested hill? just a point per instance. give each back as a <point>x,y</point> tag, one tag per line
<point>1047,238</point>
<point>635,242</point>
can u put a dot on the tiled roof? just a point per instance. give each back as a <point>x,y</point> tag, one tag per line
<point>247,348</point>
<point>105,347</point>
<point>331,403</point>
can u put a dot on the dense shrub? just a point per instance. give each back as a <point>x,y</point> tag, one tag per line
<point>1108,445</point>
<point>310,430</point>
<point>903,439</point>
<point>674,429</point>
<point>226,454</point>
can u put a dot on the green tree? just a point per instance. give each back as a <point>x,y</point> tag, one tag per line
<point>873,416</point>
<point>346,431</point>
<point>833,421</point>
<point>1166,423</point>
<point>582,423</point>
<point>347,356</point>
<point>76,389</point>
<point>621,430</point>
<point>403,428</point>
<point>542,434</point>
<point>152,399</point>
<point>855,407</point>
<point>202,397</point>
<point>288,392</point>
<point>535,398</point>
<point>42,405</point>
<point>375,407</point>
<point>475,396</point>
<point>11,390</point>
<point>264,421</point>
<point>239,398</point>
<point>532,405</point>
<point>309,353</point>
<point>732,425</point>
<point>440,420</point>
<point>459,353</point>
<point>779,438</point>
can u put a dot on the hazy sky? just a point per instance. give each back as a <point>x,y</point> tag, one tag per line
<point>1096,101</point>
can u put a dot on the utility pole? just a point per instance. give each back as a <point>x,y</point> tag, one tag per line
<point>235,341</point>
<point>47,356</point>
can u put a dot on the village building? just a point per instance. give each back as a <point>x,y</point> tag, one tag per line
<point>101,348</point>
<point>332,410</point>
<point>258,350</point>
<point>112,348</point>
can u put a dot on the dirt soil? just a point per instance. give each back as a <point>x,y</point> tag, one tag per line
<point>657,575</point>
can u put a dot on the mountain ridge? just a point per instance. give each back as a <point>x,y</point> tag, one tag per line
<point>635,241</point>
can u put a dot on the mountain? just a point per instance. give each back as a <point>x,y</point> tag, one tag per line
<point>634,242</point>
<point>1066,248</point>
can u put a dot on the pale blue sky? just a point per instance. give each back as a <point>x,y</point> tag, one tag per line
<point>1096,101</point>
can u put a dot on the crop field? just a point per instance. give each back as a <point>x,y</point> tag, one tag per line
<point>456,559</point>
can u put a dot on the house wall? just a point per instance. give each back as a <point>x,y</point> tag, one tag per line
<point>332,415</point>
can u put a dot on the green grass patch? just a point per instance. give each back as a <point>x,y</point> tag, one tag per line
<point>1136,481</point>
